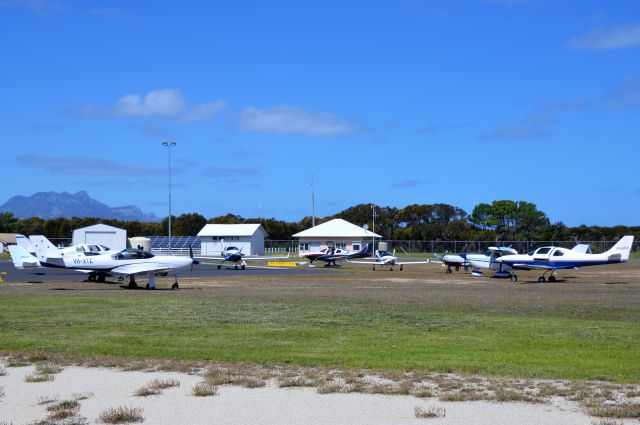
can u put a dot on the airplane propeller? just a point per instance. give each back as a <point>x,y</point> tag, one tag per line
<point>193,262</point>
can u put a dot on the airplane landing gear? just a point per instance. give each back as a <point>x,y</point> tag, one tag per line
<point>449,269</point>
<point>219,266</point>
<point>101,277</point>
<point>175,285</point>
<point>476,273</point>
<point>400,267</point>
<point>132,282</point>
<point>514,278</point>
<point>552,278</point>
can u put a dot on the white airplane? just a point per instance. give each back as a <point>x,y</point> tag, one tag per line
<point>385,259</point>
<point>452,260</point>
<point>551,258</point>
<point>489,260</point>
<point>129,262</point>
<point>23,253</point>
<point>234,255</point>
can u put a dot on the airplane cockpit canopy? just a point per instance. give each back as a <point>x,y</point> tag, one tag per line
<point>132,254</point>
<point>231,248</point>
<point>540,251</point>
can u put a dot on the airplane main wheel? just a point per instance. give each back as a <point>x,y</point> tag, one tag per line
<point>514,278</point>
<point>449,270</point>
<point>101,277</point>
<point>541,279</point>
<point>175,286</point>
<point>400,267</point>
<point>373,268</point>
<point>219,266</point>
<point>243,267</point>
<point>552,278</point>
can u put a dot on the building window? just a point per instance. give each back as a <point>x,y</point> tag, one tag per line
<point>304,247</point>
<point>356,246</point>
<point>341,245</point>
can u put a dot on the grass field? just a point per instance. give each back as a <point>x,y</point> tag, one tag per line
<point>587,326</point>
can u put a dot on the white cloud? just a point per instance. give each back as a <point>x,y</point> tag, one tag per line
<point>607,39</point>
<point>167,102</point>
<point>203,112</point>
<point>295,120</point>
<point>626,95</point>
<point>85,166</point>
<point>533,126</point>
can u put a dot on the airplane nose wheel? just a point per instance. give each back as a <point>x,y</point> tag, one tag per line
<point>514,278</point>
<point>175,285</point>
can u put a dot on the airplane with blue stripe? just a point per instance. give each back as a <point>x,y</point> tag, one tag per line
<point>552,258</point>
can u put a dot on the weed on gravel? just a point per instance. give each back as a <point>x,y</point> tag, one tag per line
<point>430,412</point>
<point>121,415</point>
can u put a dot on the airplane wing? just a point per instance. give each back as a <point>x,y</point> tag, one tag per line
<point>533,267</point>
<point>129,269</point>
<point>415,262</point>
<point>262,257</point>
<point>381,263</point>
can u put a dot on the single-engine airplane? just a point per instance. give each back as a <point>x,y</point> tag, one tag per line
<point>23,254</point>
<point>551,258</point>
<point>234,255</point>
<point>385,259</point>
<point>334,255</point>
<point>129,262</point>
<point>451,260</point>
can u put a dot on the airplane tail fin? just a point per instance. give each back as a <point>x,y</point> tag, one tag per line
<point>22,258</point>
<point>622,249</point>
<point>24,242</point>
<point>45,250</point>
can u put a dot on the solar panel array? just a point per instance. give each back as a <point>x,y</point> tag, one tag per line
<point>178,242</point>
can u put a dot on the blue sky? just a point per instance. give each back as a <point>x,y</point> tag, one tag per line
<point>397,102</point>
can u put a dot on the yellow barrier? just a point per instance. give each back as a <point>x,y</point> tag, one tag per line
<point>281,263</point>
<point>1,274</point>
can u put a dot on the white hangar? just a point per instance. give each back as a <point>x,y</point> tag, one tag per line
<point>247,237</point>
<point>101,234</point>
<point>337,233</point>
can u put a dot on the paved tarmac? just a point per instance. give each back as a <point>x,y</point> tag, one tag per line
<point>8,273</point>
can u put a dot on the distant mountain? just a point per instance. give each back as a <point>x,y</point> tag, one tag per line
<point>48,205</point>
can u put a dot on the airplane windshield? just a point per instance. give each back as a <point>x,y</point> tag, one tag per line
<point>131,254</point>
<point>544,250</point>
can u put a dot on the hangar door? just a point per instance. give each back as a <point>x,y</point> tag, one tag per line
<point>101,238</point>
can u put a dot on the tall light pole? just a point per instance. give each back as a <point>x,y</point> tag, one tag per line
<point>169,145</point>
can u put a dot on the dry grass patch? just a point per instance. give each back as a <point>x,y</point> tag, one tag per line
<point>298,381</point>
<point>204,390</point>
<point>331,387</point>
<point>430,412</point>
<point>422,392</point>
<point>18,361</point>
<point>64,409</point>
<point>3,370</point>
<point>623,410</point>
<point>155,387</point>
<point>237,375</point>
<point>121,415</point>
<point>34,377</point>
